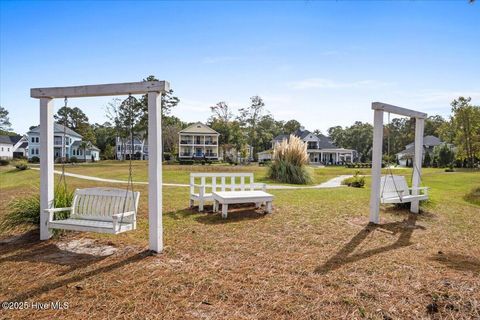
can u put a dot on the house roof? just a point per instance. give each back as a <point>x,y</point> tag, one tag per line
<point>325,142</point>
<point>57,128</point>
<point>5,140</point>
<point>10,139</point>
<point>302,134</point>
<point>90,146</point>
<point>409,151</point>
<point>430,141</point>
<point>24,145</point>
<point>198,128</point>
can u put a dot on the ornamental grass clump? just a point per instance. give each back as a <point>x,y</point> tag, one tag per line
<point>26,210</point>
<point>289,162</point>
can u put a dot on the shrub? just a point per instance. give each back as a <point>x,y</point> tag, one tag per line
<point>26,211</point>
<point>473,196</point>
<point>34,159</point>
<point>73,160</point>
<point>4,162</point>
<point>21,166</point>
<point>187,162</point>
<point>450,168</point>
<point>289,162</point>
<point>357,181</point>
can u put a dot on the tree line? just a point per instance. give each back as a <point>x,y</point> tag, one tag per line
<point>255,127</point>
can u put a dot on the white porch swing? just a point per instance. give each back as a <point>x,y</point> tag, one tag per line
<point>103,203</point>
<point>101,210</point>
<point>393,188</point>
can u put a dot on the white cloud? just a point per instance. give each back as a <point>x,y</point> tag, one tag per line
<point>447,96</point>
<point>322,83</point>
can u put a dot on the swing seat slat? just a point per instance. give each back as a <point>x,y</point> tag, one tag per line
<point>102,210</point>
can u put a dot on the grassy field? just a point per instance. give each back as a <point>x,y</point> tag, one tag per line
<point>180,173</point>
<point>314,257</point>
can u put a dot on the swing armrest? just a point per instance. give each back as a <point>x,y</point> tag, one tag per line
<point>51,212</point>
<point>425,189</point>
<point>117,216</point>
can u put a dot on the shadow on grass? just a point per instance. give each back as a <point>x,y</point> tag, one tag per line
<point>458,262</point>
<point>14,243</point>
<point>404,228</point>
<point>236,213</point>
<point>34,250</point>
<point>77,278</point>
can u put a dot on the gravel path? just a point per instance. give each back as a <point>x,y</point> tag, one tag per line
<point>332,183</point>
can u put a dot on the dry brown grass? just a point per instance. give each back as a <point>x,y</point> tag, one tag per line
<point>314,257</point>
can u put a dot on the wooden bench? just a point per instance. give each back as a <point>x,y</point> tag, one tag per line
<point>202,185</point>
<point>103,210</point>
<point>394,189</point>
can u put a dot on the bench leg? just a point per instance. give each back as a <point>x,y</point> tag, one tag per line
<point>200,205</point>
<point>258,205</point>
<point>269,207</point>
<point>215,205</point>
<point>224,210</point>
<point>192,203</point>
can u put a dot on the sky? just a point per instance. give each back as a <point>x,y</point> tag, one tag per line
<point>322,63</point>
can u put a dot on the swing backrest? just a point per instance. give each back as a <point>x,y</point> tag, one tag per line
<point>392,186</point>
<point>101,203</point>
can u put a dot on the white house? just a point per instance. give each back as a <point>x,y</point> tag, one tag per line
<point>124,150</point>
<point>12,146</point>
<point>198,141</point>
<point>429,143</point>
<point>73,146</point>
<point>319,148</point>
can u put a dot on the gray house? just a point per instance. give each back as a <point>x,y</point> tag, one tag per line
<point>429,143</point>
<point>320,148</point>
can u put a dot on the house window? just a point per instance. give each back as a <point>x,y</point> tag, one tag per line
<point>2,148</point>
<point>33,139</point>
<point>37,139</point>
<point>8,149</point>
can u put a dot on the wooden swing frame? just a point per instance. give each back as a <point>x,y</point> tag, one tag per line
<point>154,90</point>
<point>377,150</point>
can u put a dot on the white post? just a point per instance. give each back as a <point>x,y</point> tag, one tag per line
<point>376,166</point>
<point>155,227</point>
<point>417,161</point>
<point>46,164</point>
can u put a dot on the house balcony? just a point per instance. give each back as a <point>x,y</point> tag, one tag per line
<point>187,142</point>
<point>211,143</point>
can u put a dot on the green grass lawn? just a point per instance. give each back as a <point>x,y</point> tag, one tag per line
<point>180,173</point>
<point>313,257</point>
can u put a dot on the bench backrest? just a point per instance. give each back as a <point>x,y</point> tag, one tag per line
<point>393,186</point>
<point>101,203</point>
<point>222,181</point>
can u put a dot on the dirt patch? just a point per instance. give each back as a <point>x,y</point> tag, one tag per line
<point>87,246</point>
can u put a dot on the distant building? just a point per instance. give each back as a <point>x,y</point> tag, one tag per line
<point>12,147</point>
<point>198,141</point>
<point>319,148</point>
<point>124,148</point>
<point>429,143</point>
<point>71,148</point>
<point>230,153</point>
